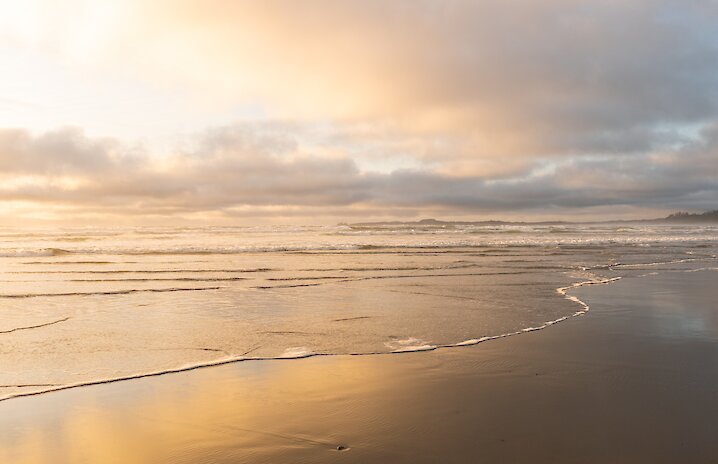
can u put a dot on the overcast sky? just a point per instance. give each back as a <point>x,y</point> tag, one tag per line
<point>321,111</point>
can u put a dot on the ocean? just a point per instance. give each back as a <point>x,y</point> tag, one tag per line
<point>90,305</point>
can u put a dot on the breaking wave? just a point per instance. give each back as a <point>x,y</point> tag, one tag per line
<point>32,253</point>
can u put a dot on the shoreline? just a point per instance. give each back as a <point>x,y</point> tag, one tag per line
<point>233,360</point>
<point>632,383</point>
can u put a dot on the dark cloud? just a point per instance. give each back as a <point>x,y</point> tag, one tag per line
<point>250,167</point>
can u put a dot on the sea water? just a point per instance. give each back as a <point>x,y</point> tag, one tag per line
<point>89,305</point>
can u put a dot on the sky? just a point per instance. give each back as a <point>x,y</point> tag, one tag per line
<point>320,111</point>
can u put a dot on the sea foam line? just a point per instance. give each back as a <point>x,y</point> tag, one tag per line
<point>561,291</point>
<point>301,354</point>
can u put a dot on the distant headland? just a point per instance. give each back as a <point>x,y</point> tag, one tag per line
<point>679,217</point>
<point>710,216</point>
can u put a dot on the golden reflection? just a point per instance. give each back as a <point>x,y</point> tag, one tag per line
<point>182,417</point>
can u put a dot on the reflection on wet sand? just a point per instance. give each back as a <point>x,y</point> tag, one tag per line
<point>181,418</point>
<point>634,381</point>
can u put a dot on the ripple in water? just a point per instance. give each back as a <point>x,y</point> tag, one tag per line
<point>115,305</point>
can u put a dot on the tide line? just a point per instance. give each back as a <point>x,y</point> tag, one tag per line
<point>308,354</point>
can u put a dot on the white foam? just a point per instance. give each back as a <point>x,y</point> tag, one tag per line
<point>408,349</point>
<point>296,352</point>
<point>562,291</point>
<point>31,253</point>
<point>473,341</point>
<point>408,345</point>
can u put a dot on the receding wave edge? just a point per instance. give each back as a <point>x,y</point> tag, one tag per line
<point>563,291</point>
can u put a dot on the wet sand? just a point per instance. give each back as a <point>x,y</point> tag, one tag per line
<point>634,380</point>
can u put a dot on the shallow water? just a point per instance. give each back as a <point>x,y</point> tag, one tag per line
<point>634,381</point>
<point>86,305</point>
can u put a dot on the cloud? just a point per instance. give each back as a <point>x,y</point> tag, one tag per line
<point>61,152</point>
<point>259,168</point>
<point>456,106</point>
<point>519,78</point>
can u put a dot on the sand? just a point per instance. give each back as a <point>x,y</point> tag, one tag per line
<point>635,380</point>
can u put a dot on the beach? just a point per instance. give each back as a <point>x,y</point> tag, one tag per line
<point>419,232</point>
<point>633,380</point>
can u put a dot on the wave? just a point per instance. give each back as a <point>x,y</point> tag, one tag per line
<point>31,253</point>
<point>562,230</point>
<point>151,271</point>
<point>558,237</point>
<point>461,265</point>
<point>411,345</point>
<point>110,292</point>
<point>379,277</point>
<point>78,262</point>
<point>141,279</point>
<point>619,265</point>
<point>475,341</point>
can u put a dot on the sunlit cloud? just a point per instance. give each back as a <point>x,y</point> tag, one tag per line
<point>234,171</point>
<point>359,107</point>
